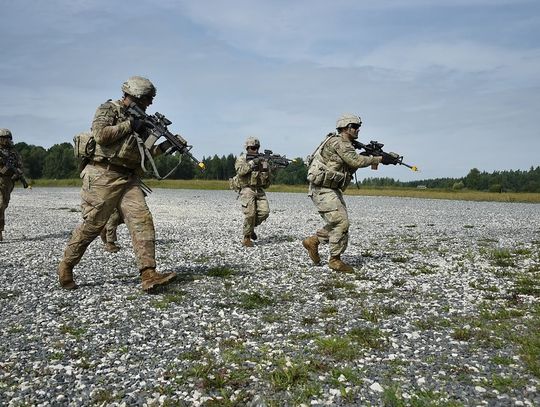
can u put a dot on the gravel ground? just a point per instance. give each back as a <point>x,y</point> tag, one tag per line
<point>442,309</point>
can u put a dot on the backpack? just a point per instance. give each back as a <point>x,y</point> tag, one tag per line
<point>84,145</point>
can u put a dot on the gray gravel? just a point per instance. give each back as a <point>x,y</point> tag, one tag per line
<point>270,332</point>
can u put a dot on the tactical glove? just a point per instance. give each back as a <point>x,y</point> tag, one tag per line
<point>390,158</point>
<point>138,124</point>
<point>256,161</point>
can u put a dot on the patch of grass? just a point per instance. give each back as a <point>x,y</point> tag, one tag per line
<point>371,315</point>
<point>221,271</point>
<point>462,334</point>
<point>502,258</point>
<point>502,360</point>
<point>255,300</point>
<point>337,347</point>
<point>175,297</point>
<point>503,383</point>
<point>329,310</point>
<point>103,397</point>
<point>400,259</point>
<point>527,286</point>
<point>77,332</point>
<point>309,320</point>
<point>370,338</point>
<point>468,226</point>
<point>399,282</point>
<point>521,251</point>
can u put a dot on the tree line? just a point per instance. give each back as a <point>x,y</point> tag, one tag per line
<point>59,162</point>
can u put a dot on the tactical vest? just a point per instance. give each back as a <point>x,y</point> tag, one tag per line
<point>320,175</point>
<point>124,151</point>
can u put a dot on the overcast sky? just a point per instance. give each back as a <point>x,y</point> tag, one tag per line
<point>449,84</point>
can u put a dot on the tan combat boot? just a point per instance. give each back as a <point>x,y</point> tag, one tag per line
<point>65,276</point>
<point>311,244</point>
<point>151,279</point>
<point>336,264</point>
<point>247,241</point>
<point>111,247</point>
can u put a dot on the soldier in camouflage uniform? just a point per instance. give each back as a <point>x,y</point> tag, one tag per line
<point>108,234</point>
<point>10,171</point>
<point>112,181</point>
<point>253,177</point>
<point>330,173</point>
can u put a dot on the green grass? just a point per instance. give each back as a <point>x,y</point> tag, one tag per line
<point>256,300</point>
<point>463,195</point>
<point>221,271</point>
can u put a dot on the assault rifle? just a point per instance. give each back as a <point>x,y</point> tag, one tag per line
<point>374,148</point>
<point>10,169</point>
<point>157,127</point>
<point>278,161</point>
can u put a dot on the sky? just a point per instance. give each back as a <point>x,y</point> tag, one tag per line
<point>449,84</point>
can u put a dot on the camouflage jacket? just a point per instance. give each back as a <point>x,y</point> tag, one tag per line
<point>335,162</point>
<point>115,140</point>
<point>10,162</point>
<point>257,176</point>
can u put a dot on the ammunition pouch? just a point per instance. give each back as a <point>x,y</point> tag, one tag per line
<point>321,176</point>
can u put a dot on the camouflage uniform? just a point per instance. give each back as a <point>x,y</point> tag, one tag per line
<point>329,174</point>
<point>112,181</point>
<point>108,233</point>
<point>8,173</point>
<point>253,180</point>
<point>337,155</point>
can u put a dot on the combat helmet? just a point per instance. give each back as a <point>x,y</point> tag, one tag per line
<point>252,142</point>
<point>5,133</point>
<point>137,86</point>
<point>347,118</point>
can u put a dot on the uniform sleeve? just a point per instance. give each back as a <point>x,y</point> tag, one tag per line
<point>105,128</point>
<point>354,160</point>
<point>241,166</point>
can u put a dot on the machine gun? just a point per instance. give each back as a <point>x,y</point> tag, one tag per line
<point>10,169</point>
<point>374,148</point>
<point>276,160</point>
<point>157,127</point>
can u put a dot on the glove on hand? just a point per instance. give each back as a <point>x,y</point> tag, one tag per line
<point>390,158</point>
<point>138,124</point>
<point>256,161</point>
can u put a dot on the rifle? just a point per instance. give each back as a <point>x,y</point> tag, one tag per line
<point>157,127</point>
<point>278,161</point>
<point>374,148</point>
<point>10,169</point>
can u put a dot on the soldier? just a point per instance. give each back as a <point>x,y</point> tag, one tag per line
<point>330,173</point>
<point>111,180</point>
<point>253,175</point>
<point>108,233</point>
<point>10,171</point>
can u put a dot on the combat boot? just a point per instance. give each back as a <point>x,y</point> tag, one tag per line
<point>336,264</point>
<point>150,278</point>
<point>65,276</point>
<point>111,247</point>
<point>247,241</point>
<point>311,244</point>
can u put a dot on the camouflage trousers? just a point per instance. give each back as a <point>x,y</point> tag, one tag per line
<point>332,208</point>
<point>102,192</point>
<point>6,187</point>
<point>112,224</point>
<point>255,208</point>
